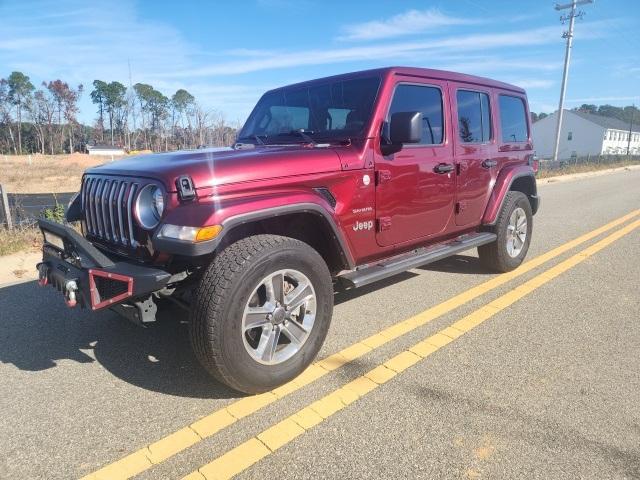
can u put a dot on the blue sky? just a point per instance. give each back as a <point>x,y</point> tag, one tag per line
<point>227,53</point>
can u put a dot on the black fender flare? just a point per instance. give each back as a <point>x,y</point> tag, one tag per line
<point>190,249</point>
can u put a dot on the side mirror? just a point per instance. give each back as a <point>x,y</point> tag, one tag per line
<point>404,127</point>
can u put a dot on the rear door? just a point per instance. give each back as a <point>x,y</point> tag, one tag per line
<point>475,149</point>
<point>415,187</point>
<point>514,139</point>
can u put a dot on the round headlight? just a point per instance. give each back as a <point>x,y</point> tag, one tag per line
<point>149,206</point>
<point>158,202</point>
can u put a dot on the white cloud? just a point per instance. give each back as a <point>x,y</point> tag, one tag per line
<point>530,83</point>
<point>613,98</point>
<point>407,23</point>
<point>80,41</point>
<point>435,49</point>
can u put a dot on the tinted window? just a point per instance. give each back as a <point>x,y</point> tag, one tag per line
<point>474,116</point>
<point>428,100</point>
<point>513,120</point>
<point>336,109</point>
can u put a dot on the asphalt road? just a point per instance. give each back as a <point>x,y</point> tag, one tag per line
<point>547,386</point>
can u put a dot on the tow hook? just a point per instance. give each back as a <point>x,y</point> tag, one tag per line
<point>43,274</point>
<point>70,289</point>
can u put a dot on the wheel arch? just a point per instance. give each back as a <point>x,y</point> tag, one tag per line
<point>307,222</point>
<point>520,179</point>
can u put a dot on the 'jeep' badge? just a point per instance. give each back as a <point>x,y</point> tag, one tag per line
<point>363,226</point>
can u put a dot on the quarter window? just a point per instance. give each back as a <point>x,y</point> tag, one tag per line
<point>474,117</point>
<point>513,121</point>
<point>428,101</point>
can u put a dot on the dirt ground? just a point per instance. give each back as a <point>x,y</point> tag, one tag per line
<point>46,173</point>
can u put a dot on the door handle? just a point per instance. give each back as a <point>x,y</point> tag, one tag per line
<point>443,168</point>
<point>489,163</point>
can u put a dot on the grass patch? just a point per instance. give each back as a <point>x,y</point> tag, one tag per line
<point>20,239</point>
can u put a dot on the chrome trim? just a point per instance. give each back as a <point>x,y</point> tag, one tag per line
<point>112,191</point>
<point>132,192</point>
<point>122,189</point>
<point>96,204</point>
<point>107,203</point>
<point>104,201</point>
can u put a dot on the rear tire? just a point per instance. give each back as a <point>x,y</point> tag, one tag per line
<point>241,283</point>
<point>513,227</point>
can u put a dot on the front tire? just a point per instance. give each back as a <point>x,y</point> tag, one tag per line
<point>261,312</point>
<point>513,227</point>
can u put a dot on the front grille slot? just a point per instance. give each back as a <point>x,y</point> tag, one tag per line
<point>107,204</point>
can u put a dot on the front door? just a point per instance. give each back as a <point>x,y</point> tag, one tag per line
<point>415,187</point>
<point>475,149</point>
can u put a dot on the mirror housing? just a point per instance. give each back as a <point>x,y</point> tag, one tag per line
<point>404,127</point>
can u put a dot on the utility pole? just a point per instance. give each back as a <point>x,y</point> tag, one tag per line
<point>567,56</point>
<point>633,114</point>
<point>131,98</point>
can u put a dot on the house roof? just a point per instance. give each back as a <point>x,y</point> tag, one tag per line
<point>606,122</point>
<point>103,147</point>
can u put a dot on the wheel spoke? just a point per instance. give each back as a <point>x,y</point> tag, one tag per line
<point>294,332</point>
<point>268,343</point>
<point>257,316</point>
<point>522,222</point>
<point>517,243</point>
<point>275,288</point>
<point>300,295</point>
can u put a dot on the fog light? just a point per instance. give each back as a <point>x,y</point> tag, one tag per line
<point>190,234</point>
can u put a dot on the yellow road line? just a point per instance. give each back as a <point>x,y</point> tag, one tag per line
<point>250,452</point>
<point>148,456</point>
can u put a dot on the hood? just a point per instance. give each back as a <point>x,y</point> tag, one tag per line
<point>219,166</point>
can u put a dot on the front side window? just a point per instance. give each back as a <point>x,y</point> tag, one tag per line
<point>424,99</point>
<point>513,120</point>
<point>474,116</point>
<point>340,109</point>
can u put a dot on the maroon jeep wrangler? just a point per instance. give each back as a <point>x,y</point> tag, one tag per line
<point>341,181</point>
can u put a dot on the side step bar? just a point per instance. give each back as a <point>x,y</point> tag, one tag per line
<point>367,274</point>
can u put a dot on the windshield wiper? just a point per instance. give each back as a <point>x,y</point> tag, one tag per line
<point>254,137</point>
<point>303,133</point>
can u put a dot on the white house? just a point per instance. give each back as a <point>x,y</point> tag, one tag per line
<point>585,134</point>
<point>105,150</point>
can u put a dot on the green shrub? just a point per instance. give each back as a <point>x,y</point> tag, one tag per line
<point>55,214</point>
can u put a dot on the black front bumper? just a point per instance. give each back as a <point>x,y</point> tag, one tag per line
<point>88,277</point>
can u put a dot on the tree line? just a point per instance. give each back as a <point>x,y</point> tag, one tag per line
<point>629,114</point>
<point>44,119</point>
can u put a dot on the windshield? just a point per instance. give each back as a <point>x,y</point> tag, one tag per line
<point>332,111</point>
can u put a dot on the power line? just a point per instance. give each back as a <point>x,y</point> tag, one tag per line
<point>567,56</point>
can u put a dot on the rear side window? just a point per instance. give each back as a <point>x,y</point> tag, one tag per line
<point>474,116</point>
<point>513,119</point>
<point>425,99</point>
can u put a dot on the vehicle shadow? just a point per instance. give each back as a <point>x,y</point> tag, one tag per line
<point>458,264</point>
<point>37,331</point>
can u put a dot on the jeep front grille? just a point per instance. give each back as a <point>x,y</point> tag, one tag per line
<point>107,203</point>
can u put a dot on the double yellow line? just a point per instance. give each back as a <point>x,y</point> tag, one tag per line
<point>249,452</point>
